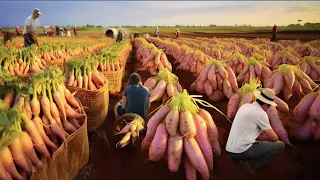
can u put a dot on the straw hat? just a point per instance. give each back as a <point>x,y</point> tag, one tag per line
<point>266,95</point>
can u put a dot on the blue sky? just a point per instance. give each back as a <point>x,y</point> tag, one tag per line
<point>110,13</point>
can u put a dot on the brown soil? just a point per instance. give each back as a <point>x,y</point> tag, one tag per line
<point>109,162</point>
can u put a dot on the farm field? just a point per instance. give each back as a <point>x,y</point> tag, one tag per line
<point>185,57</point>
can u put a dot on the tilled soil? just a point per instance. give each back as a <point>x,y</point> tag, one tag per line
<point>111,163</point>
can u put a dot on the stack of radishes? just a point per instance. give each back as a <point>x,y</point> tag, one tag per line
<point>236,62</point>
<point>83,73</point>
<point>216,80</point>
<point>150,57</point>
<point>43,114</point>
<point>182,133</point>
<point>304,49</point>
<point>289,79</point>
<point>163,85</point>
<point>311,66</point>
<point>283,57</point>
<point>254,68</point>
<point>307,115</point>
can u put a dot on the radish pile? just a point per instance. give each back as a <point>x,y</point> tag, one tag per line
<point>304,49</point>
<point>151,58</point>
<point>183,133</point>
<point>307,115</point>
<point>216,80</point>
<point>21,61</point>
<point>237,62</point>
<point>283,57</point>
<point>163,85</point>
<point>288,79</point>
<point>253,68</point>
<point>311,66</point>
<point>83,73</point>
<point>37,117</point>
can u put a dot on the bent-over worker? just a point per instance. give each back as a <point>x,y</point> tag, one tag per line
<point>30,28</point>
<point>250,120</point>
<point>135,98</point>
<point>177,33</point>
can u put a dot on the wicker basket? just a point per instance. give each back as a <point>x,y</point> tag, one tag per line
<point>115,79</point>
<point>68,160</point>
<point>95,102</point>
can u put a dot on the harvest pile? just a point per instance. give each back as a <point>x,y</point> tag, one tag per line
<point>307,114</point>
<point>311,66</point>
<point>83,73</point>
<point>183,133</point>
<point>189,59</point>
<point>37,117</point>
<point>163,85</point>
<point>289,78</point>
<point>216,80</point>
<point>151,58</point>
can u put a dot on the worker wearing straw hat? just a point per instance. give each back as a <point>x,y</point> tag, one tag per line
<point>30,28</point>
<point>250,121</point>
<point>177,33</point>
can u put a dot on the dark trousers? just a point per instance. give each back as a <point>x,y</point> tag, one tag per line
<point>273,36</point>
<point>26,43</point>
<point>259,153</point>
<point>120,110</point>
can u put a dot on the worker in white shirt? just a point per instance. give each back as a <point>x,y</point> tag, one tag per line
<point>30,28</point>
<point>250,121</point>
<point>68,34</point>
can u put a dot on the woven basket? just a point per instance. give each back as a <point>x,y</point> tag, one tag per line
<point>115,79</point>
<point>96,104</point>
<point>68,160</point>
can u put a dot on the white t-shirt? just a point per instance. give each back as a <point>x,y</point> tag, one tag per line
<point>247,125</point>
<point>32,23</point>
<point>68,34</point>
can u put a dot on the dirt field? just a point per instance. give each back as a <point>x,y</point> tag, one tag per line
<point>108,162</point>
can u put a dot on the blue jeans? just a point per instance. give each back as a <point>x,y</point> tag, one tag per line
<point>259,153</point>
<point>26,43</point>
<point>121,111</point>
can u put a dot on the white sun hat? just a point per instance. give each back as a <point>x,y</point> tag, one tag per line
<point>266,95</point>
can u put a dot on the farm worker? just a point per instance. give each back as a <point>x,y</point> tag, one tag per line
<point>18,30</point>
<point>45,30</point>
<point>177,33</point>
<point>249,122</point>
<point>68,34</point>
<point>156,32</point>
<point>30,27</point>
<point>135,98</point>
<point>120,35</point>
<point>274,32</point>
<point>75,31</point>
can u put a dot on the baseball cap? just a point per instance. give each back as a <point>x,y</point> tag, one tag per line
<point>37,11</point>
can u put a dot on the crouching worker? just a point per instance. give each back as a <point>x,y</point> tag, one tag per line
<point>135,98</point>
<point>250,120</point>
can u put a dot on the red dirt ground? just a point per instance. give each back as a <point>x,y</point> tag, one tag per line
<point>110,163</point>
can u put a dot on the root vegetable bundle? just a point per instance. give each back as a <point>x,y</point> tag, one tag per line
<point>216,80</point>
<point>183,133</point>
<point>188,59</point>
<point>21,61</point>
<point>151,58</point>
<point>289,79</point>
<point>83,73</point>
<point>131,131</point>
<point>316,53</point>
<point>254,68</point>
<point>283,57</point>
<point>304,49</point>
<point>289,43</point>
<point>307,115</point>
<point>163,85</point>
<point>311,66</point>
<point>43,114</point>
<point>236,62</point>
<point>245,95</point>
<point>113,58</point>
